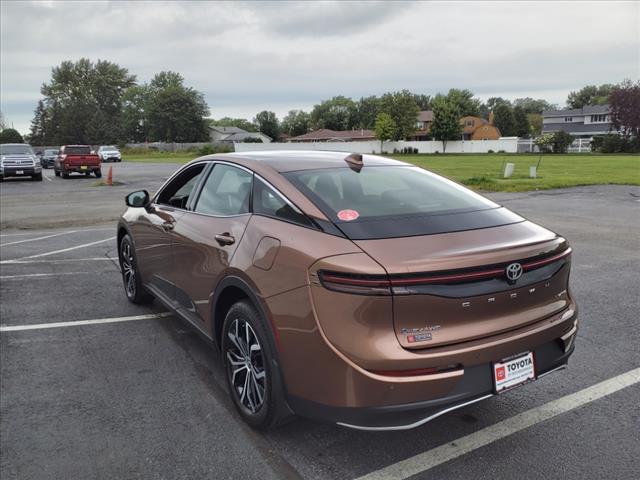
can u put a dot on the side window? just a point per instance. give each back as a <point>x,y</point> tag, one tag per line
<point>267,202</point>
<point>226,191</point>
<point>178,191</point>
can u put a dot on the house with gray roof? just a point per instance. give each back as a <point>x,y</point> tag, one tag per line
<point>235,135</point>
<point>582,122</point>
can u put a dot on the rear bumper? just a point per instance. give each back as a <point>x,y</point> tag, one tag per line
<point>475,385</point>
<point>80,169</point>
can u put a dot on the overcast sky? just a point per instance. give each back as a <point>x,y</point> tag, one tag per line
<point>250,56</point>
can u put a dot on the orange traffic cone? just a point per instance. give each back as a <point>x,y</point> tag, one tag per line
<point>110,176</point>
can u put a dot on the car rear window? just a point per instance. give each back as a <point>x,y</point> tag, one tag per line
<point>77,150</point>
<point>395,201</point>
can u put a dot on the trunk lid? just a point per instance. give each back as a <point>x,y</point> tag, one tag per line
<point>452,287</point>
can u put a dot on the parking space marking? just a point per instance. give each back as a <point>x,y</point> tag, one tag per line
<point>36,275</point>
<point>46,254</point>
<point>98,321</point>
<point>66,260</point>
<point>450,451</point>
<point>25,234</point>
<point>37,238</point>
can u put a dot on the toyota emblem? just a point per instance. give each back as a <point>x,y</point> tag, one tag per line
<point>513,272</point>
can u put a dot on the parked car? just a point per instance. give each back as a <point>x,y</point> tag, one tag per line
<point>354,289</point>
<point>109,153</point>
<point>77,158</point>
<point>48,158</point>
<point>18,160</point>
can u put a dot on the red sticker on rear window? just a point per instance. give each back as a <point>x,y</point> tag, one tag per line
<point>348,215</point>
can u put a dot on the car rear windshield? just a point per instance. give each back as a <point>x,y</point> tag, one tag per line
<point>16,150</point>
<point>108,147</point>
<point>51,152</point>
<point>395,201</point>
<point>77,150</point>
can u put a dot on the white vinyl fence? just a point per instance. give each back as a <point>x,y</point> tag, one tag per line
<point>579,145</point>
<point>505,144</point>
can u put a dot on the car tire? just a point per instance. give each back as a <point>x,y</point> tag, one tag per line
<point>258,398</point>
<point>56,172</point>
<point>130,277</point>
<point>98,173</point>
<point>38,177</point>
<point>64,173</point>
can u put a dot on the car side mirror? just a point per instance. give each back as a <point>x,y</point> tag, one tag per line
<point>137,199</point>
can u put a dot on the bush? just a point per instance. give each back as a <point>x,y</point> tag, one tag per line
<point>613,143</point>
<point>561,141</point>
<point>415,151</point>
<point>490,151</point>
<point>501,151</point>
<point>205,150</point>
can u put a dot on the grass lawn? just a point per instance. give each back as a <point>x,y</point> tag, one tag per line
<point>159,157</point>
<point>484,171</point>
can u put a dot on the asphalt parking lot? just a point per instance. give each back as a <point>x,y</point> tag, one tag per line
<point>134,394</point>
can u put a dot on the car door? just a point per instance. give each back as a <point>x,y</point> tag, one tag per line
<point>206,237</point>
<point>154,236</point>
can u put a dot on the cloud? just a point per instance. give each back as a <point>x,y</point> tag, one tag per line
<point>250,56</point>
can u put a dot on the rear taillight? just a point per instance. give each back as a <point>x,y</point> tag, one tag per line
<point>355,283</point>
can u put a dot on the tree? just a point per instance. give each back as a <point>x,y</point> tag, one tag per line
<point>339,113</point>
<point>368,109</point>
<point>173,112</point>
<point>589,95</point>
<point>503,119</point>
<point>82,102</point>
<point>464,102</point>
<point>561,141</point>
<point>296,122</point>
<point>242,123</point>
<point>423,101</point>
<point>39,127</point>
<point>446,122</point>
<point>385,128</point>
<point>402,108</point>
<point>535,122</point>
<point>625,108</point>
<point>522,126</point>
<point>134,121</point>
<point>531,105</point>
<point>10,135</point>
<point>490,106</point>
<point>267,123</point>
<point>3,122</point>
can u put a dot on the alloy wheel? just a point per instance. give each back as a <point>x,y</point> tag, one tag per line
<point>245,366</point>
<point>128,270</point>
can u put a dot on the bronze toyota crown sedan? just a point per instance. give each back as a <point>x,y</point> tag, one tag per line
<point>353,289</point>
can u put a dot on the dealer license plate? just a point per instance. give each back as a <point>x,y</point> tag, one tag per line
<point>513,372</point>
<point>19,172</point>
<point>83,167</point>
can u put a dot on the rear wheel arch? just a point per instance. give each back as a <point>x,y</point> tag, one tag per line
<point>231,290</point>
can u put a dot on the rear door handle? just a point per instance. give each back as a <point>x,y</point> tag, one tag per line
<point>168,226</point>
<point>225,239</point>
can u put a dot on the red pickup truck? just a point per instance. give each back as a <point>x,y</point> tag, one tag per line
<point>77,158</point>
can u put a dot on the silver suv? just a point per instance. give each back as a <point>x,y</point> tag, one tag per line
<point>109,153</point>
<point>18,160</point>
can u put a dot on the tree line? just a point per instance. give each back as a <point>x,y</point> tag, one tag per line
<point>101,102</point>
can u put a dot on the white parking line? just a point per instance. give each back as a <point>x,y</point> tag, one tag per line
<point>37,238</point>
<point>461,446</point>
<point>46,254</point>
<point>37,275</point>
<point>24,234</point>
<point>65,260</point>
<point>42,326</point>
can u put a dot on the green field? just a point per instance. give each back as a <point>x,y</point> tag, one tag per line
<point>483,171</point>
